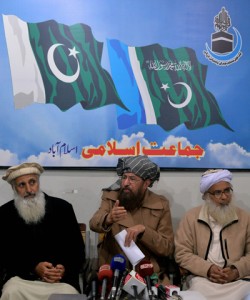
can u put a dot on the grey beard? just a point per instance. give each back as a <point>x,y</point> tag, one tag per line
<point>222,214</point>
<point>31,210</point>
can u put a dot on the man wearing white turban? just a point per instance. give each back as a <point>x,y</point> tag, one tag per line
<point>212,242</point>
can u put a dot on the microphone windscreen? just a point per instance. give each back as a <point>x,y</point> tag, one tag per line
<point>145,268</point>
<point>133,279</point>
<point>154,278</point>
<point>105,272</point>
<point>118,262</point>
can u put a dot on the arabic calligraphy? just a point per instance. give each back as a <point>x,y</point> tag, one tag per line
<point>60,149</point>
<point>172,151</point>
<point>159,65</point>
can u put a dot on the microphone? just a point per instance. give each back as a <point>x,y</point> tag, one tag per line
<point>119,289</point>
<point>134,284</point>
<point>160,292</point>
<point>105,274</point>
<point>94,287</point>
<point>154,282</point>
<point>92,284</point>
<point>146,269</point>
<point>173,291</point>
<point>118,264</point>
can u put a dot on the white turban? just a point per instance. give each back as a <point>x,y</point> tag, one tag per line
<point>211,177</point>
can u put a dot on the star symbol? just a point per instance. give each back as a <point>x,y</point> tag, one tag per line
<point>73,52</point>
<point>165,86</point>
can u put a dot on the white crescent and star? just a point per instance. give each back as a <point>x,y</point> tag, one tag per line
<point>71,78</point>
<point>186,101</point>
<point>54,69</point>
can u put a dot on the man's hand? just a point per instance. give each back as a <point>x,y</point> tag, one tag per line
<point>117,213</point>
<point>215,274</point>
<point>219,275</point>
<point>48,273</point>
<point>231,273</point>
<point>132,233</point>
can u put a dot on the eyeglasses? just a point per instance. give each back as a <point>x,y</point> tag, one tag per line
<point>218,193</point>
<point>131,179</point>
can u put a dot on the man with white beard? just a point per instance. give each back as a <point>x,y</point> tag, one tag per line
<point>42,249</point>
<point>212,242</point>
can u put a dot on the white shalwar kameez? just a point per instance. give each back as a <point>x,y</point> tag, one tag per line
<point>20,289</point>
<point>236,290</point>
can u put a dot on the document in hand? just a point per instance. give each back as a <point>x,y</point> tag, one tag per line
<point>133,253</point>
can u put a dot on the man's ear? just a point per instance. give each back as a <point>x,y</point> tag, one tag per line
<point>147,182</point>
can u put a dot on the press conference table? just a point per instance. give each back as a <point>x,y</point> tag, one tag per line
<point>187,295</point>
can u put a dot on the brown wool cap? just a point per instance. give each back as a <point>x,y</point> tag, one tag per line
<point>22,169</point>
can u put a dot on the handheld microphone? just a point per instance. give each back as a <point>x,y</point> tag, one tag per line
<point>173,291</point>
<point>146,269</point>
<point>160,292</point>
<point>118,264</point>
<point>105,274</point>
<point>94,288</point>
<point>154,282</point>
<point>92,285</point>
<point>134,284</point>
<point>119,289</point>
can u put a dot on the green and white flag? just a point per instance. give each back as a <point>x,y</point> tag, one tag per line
<point>58,64</point>
<point>162,86</point>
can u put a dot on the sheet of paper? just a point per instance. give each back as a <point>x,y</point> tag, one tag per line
<point>133,253</point>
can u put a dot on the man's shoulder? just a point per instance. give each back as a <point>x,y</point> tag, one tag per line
<point>153,194</point>
<point>155,201</point>
<point>242,212</point>
<point>56,201</point>
<point>194,211</point>
<point>7,211</point>
<point>112,195</point>
<point>7,206</point>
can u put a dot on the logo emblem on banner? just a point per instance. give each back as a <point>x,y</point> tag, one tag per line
<point>225,46</point>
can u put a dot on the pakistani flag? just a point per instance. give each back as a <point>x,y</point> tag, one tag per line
<point>162,86</point>
<point>59,64</point>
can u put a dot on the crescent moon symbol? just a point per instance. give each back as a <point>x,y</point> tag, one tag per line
<point>187,100</point>
<point>231,55</point>
<point>56,71</point>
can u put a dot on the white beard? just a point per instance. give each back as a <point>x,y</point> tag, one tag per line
<point>222,214</point>
<point>31,210</point>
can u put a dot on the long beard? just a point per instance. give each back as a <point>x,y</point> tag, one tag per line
<point>31,210</point>
<point>130,200</point>
<point>222,214</point>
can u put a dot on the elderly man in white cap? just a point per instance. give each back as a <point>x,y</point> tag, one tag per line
<point>34,231</point>
<point>129,204</point>
<point>213,241</point>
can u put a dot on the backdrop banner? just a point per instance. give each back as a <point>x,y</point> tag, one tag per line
<point>86,82</point>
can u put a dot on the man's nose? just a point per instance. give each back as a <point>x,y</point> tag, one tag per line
<point>126,181</point>
<point>28,188</point>
<point>223,195</point>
